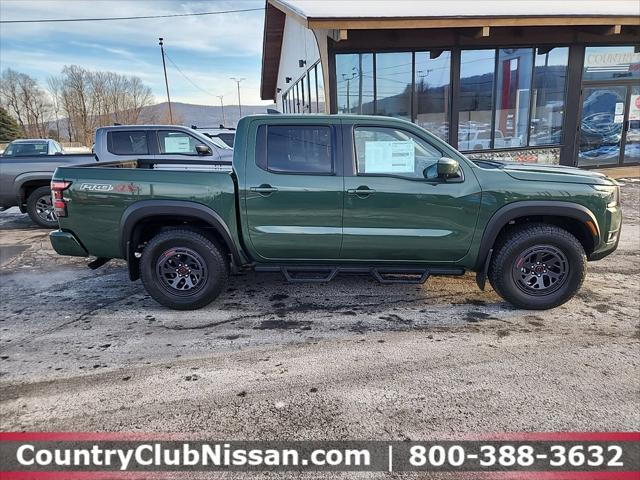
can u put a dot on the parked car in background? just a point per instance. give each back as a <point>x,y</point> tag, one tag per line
<point>314,197</point>
<point>25,179</point>
<point>225,134</point>
<point>33,146</point>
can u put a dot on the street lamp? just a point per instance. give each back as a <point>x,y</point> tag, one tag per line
<point>222,106</point>
<point>238,80</point>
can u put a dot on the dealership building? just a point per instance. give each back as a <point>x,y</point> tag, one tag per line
<point>554,82</point>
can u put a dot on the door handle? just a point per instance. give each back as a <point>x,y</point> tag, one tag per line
<point>264,190</point>
<point>360,191</point>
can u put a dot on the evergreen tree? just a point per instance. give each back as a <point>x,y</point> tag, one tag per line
<point>9,128</point>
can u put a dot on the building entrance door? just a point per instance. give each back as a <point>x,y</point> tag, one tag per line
<point>609,125</point>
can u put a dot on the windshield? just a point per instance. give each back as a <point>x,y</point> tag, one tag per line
<point>22,149</point>
<point>217,142</point>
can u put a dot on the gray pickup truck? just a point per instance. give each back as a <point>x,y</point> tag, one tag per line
<point>25,179</point>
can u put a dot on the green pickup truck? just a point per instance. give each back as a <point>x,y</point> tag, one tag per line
<point>316,196</point>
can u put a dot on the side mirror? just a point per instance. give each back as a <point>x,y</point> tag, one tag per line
<point>448,168</point>
<point>58,153</point>
<point>203,150</point>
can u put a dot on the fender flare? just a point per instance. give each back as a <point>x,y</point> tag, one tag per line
<point>23,178</point>
<point>173,208</point>
<point>525,208</point>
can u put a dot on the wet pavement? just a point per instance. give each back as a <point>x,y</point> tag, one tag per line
<point>89,350</point>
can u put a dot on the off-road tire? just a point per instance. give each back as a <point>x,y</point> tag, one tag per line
<point>509,258</point>
<point>184,250</point>
<point>34,208</point>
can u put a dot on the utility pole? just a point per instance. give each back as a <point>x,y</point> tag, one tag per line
<point>166,82</point>
<point>238,80</point>
<point>224,122</point>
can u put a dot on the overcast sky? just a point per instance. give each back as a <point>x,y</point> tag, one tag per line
<point>208,49</point>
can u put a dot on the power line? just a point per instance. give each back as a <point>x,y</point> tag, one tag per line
<point>142,17</point>
<point>186,77</point>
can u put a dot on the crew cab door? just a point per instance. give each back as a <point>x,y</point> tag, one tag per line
<point>396,208</point>
<point>292,190</point>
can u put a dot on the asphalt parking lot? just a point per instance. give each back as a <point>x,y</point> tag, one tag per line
<point>86,350</point>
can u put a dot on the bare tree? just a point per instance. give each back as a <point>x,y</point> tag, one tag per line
<point>29,103</point>
<point>88,99</point>
<point>55,89</point>
<point>92,99</point>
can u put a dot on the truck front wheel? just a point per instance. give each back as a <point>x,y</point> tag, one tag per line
<point>538,266</point>
<point>183,270</point>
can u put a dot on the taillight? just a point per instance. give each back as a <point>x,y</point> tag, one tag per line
<point>59,202</point>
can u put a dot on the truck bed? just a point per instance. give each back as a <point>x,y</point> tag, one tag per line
<point>102,195</point>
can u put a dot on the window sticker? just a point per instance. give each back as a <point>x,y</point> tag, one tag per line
<point>389,157</point>
<point>177,144</point>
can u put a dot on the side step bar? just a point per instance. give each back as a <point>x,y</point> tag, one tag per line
<point>383,274</point>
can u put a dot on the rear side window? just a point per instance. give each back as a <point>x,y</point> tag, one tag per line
<point>127,142</point>
<point>295,149</point>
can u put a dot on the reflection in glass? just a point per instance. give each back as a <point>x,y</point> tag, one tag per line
<point>610,63</point>
<point>549,85</point>
<point>601,125</point>
<point>393,84</point>
<point>432,87</point>
<point>313,97</point>
<point>632,147</point>
<point>512,97</point>
<point>320,88</point>
<point>303,94</point>
<point>354,83</point>
<point>475,100</point>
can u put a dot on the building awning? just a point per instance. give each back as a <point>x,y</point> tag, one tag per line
<point>405,14</point>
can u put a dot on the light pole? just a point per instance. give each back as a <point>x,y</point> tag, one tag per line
<point>166,82</point>
<point>238,80</point>
<point>224,122</point>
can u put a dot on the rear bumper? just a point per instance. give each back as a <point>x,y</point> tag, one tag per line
<point>65,243</point>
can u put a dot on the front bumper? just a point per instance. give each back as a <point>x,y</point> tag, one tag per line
<point>65,243</point>
<point>610,236</point>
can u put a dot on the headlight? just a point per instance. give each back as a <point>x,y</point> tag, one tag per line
<point>612,194</point>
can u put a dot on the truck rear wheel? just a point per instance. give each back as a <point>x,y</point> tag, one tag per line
<point>40,208</point>
<point>538,267</point>
<point>183,270</point>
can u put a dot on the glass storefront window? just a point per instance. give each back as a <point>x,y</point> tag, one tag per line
<point>303,94</point>
<point>354,83</point>
<point>632,146</point>
<point>313,100</point>
<point>476,99</point>
<point>320,88</point>
<point>513,97</point>
<point>432,91</point>
<point>549,86</point>
<point>611,63</point>
<point>601,125</point>
<point>393,84</point>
